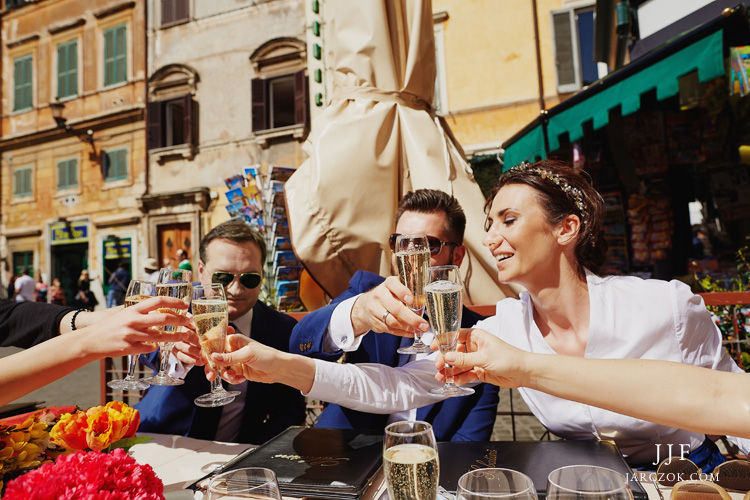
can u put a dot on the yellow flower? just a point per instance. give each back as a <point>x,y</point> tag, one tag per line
<point>97,428</point>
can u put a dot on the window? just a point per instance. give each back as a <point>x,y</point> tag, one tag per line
<point>22,83</point>
<point>174,11</point>
<point>116,164</point>
<point>67,174</point>
<point>22,182</point>
<point>171,122</point>
<point>279,102</point>
<point>573,34</point>
<point>440,98</point>
<point>23,260</point>
<point>115,55</point>
<point>67,69</point>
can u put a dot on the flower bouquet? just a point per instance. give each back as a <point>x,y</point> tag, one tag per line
<point>41,437</point>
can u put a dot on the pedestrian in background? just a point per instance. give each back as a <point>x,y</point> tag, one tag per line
<point>85,298</point>
<point>118,285</point>
<point>184,263</point>
<point>41,289</point>
<point>25,288</point>
<point>56,293</point>
<point>151,270</point>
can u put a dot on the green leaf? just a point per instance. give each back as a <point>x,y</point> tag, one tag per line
<point>127,443</point>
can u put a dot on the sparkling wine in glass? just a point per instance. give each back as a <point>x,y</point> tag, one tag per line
<point>211,318</point>
<point>137,291</point>
<point>587,482</point>
<point>410,461</point>
<point>413,262</point>
<point>252,482</point>
<point>444,294</point>
<point>485,484</point>
<point>171,283</point>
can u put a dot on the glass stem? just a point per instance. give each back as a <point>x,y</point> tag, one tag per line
<point>449,375</point>
<point>164,365</point>
<point>131,367</point>
<point>216,384</point>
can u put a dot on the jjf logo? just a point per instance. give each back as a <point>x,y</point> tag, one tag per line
<point>684,450</point>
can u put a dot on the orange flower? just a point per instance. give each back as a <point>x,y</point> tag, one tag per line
<point>97,428</point>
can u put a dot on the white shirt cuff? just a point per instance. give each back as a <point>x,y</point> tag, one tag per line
<point>340,333</point>
<point>176,368</point>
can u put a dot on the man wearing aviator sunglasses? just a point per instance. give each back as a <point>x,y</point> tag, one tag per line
<point>353,324</point>
<point>231,254</point>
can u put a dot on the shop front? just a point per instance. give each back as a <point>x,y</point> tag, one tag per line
<point>69,252</point>
<point>663,139</point>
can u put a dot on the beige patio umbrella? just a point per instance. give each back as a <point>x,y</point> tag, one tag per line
<point>377,140</point>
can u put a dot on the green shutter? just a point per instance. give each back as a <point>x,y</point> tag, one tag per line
<point>115,55</point>
<point>67,69</point>
<point>22,83</point>
<point>116,165</point>
<point>67,174</point>
<point>22,182</point>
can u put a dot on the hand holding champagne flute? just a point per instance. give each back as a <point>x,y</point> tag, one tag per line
<point>137,291</point>
<point>444,306</point>
<point>171,283</point>
<point>410,461</point>
<point>211,318</point>
<point>413,262</point>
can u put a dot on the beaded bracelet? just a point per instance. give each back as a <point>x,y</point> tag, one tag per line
<point>73,319</point>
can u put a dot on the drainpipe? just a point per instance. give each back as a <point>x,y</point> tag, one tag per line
<point>145,86</point>
<point>540,82</point>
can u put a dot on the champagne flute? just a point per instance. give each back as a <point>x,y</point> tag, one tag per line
<point>587,482</point>
<point>485,484</point>
<point>210,317</point>
<point>413,262</point>
<point>252,482</point>
<point>410,461</point>
<point>444,293</point>
<point>137,291</point>
<point>171,283</point>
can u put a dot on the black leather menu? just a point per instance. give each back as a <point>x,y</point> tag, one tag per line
<point>536,459</point>
<point>318,462</point>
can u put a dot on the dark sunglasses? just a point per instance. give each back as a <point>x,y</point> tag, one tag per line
<point>248,280</point>
<point>731,475</point>
<point>436,246</point>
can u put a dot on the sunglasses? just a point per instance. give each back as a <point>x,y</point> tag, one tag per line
<point>436,246</point>
<point>248,280</point>
<point>731,475</point>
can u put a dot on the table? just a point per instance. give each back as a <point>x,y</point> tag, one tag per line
<point>179,461</point>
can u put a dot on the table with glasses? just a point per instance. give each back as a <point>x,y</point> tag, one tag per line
<point>179,461</point>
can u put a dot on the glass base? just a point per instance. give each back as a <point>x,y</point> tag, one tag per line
<point>451,390</point>
<point>213,399</point>
<point>415,348</point>
<point>162,380</point>
<point>128,385</point>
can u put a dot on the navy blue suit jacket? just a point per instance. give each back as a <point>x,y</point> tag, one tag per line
<point>269,408</point>
<point>466,418</point>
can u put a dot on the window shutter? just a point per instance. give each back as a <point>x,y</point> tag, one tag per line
<point>122,54</point>
<point>109,57</point>
<point>61,177</point>
<point>62,65</point>
<point>153,130</point>
<point>17,84</point>
<point>167,12</point>
<point>258,98</point>
<point>181,10</point>
<point>73,173</point>
<point>187,116</point>
<point>122,161</point>
<point>567,61</point>
<point>300,98</point>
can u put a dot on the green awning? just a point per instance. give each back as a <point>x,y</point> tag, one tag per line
<point>660,71</point>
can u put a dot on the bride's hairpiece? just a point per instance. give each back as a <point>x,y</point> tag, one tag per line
<point>573,193</point>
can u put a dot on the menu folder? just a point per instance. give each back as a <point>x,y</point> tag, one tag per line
<point>319,462</point>
<point>536,459</point>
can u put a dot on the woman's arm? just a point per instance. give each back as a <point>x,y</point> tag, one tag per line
<point>674,394</point>
<point>131,331</point>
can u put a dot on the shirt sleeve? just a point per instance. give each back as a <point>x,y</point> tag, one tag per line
<point>340,334</point>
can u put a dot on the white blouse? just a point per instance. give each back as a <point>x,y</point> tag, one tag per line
<point>630,318</point>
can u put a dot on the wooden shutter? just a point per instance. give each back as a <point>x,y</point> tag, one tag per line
<point>567,59</point>
<point>300,98</point>
<point>181,10</point>
<point>187,116</point>
<point>167,12</point>
<point>259,104</point>
<point>153,130</point>
<point>62,70</point>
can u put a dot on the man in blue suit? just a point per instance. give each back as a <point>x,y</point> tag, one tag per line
<point>350,326</point>
<point>231,254</point>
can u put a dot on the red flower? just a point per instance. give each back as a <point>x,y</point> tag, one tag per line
<point>97,428</point>
<point>88,476</point>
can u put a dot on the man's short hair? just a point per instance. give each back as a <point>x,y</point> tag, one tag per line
<point>236,231</point>
<point>428,201</point>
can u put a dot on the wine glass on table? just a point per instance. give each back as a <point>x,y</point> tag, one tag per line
<point>252,482</point>
<point>171,283</point>
<point>410,461</point>
<point>211,318</point>
<point>587,482</point>
<point>444,293</point>
<point>485,484</point>
<point>137,291</point>
<point>413,263</point>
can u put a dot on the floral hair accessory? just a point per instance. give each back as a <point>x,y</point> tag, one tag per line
<point>573,193</point>
<point>88,475</point>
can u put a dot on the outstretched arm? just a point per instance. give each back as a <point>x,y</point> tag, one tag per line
<point>610,383</point>
<point>130,331</point>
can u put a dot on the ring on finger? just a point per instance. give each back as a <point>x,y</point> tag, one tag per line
<point>385,316</point>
